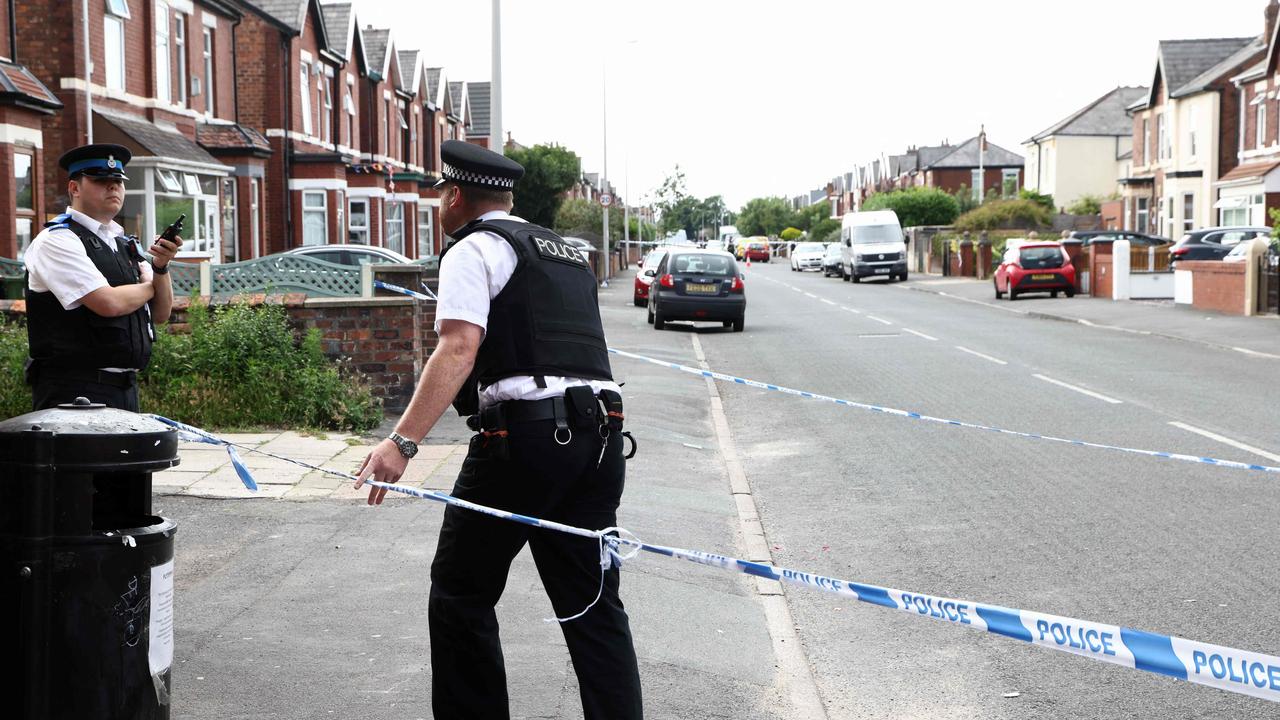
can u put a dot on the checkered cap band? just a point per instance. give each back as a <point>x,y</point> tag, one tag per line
<point>452,173</point>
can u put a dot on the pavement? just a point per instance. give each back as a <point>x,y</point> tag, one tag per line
<point>302,602</point>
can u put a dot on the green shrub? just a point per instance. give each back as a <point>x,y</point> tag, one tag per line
<point>15,395</point>
<point>1086,205</point>
<point>1005,214</point>
<point>1038,198</point>
<point>791,233</point>
<point>917,206</point>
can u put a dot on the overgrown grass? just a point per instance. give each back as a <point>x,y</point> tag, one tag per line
<point>15,395</point>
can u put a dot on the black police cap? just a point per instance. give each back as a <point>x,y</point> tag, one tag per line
<point>97,160</point>
<point>469,164</point>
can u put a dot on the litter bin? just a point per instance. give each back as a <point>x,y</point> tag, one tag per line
<point>86,571</point>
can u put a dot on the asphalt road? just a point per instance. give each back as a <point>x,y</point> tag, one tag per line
<point>1163,546</point>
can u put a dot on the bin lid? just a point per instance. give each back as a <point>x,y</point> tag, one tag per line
<point>90,437</point>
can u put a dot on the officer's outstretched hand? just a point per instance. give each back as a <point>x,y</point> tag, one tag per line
<point>384,464</point>
<point>163,251</point>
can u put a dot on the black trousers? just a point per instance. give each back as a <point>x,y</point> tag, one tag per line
<point>51,390</point>
<point>562,483</point>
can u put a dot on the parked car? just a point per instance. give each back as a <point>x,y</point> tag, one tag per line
<point>702,285</point>
<point>1213,243</point>
<point>807,256</point>
<point>644,275</point>
<point>1035,267</point>
<point>1136,239</point>
<point>756,248</point>
<point>872,246</point>
<point>584,247</point>
<point>1240,252</point>
<point>831,260</point>
<point>355,255</point>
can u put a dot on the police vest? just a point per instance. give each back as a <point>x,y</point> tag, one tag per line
<point>545,321</point>
<point>80,338</point>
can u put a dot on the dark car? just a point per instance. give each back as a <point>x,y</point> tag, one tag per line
<point>831,261</point>
<point>1136,239</point>
<point>698,285</point>
<point>354,255</point>
<point>1214,243</point>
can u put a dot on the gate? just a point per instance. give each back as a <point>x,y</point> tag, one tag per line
<point>1269,282</point>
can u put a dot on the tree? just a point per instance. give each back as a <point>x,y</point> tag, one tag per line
<point>549,170</point>
<point>822,230</point>
<point>790,233</point>
<point>807,217</point>
<point>765,216</point>
<point>1086,205</point>
<point>584,217</point>
<point>917,206</point>
<point>1032,195</point>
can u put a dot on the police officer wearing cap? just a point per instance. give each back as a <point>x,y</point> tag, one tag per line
<point>522,352</point>
<point>92,298</point>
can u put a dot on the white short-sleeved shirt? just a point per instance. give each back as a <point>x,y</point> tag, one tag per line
<point>56,261</point>
<point>472,274</point>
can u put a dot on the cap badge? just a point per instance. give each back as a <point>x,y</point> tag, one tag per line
<point>111,161</point>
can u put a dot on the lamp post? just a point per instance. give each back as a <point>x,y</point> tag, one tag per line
<point>604,174</point>
<point>495,83</point>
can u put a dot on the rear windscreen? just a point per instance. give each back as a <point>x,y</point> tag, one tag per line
<point>1041,257</point>
<point>712,265</point>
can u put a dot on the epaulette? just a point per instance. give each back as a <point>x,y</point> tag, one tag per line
<point>58,223</point>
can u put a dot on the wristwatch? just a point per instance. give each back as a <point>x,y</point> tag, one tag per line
<point>407,447</point>
<point>159,270</point>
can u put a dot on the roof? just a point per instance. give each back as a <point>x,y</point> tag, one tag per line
<point>478,101</point>
<point>18,85</point>
<point>156,140</point>
<point>1257,170</point>
<point>287,13</point>
<point>408,69</point>
<point>376,43</point>
<point>1104,116</point>
<point>1189,66</point>
<point>238,138</point>
<point>1202,81</point>
<point>928,155</point>
<point>433,84</point>
<point>457,96</point>
<point>965,155</point>
<point>339,24</point>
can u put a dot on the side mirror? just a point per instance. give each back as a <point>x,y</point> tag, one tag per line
<point>650,273</point>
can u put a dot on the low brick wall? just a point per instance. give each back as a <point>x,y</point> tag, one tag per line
<point>1216,285</point>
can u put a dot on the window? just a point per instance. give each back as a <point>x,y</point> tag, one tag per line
<point>253,217</point>
<point>1188,212</point>
<point>1191,134</point>
<point>153,202</point>
<point>315,218</point>
<point>22,181</point>
<point>210,87</point>
<point>425,234</point>
<point>163,55</point>
<point>1143,212</point>
<point>358,217</point>
<point>386,128</point>
<point>1240,138</point>
<point>326,115</point>
<point>1009,182</point>
<point>1260,132</point>
<point>1162,137</point>
<point>24,235</point>
<point>113,48</point>
<point>350,106</point>
<point>191,184</point>
<point>975,181</point>
<point>1146,141</point>
<point>168,181</point>
<point>119,8</point>
<point>180,43</point>
<point>304,90</point>
<point>230,229</point>
<point>402,114</point>
<point>395,227</point>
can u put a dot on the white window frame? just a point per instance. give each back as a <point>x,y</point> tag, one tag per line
<point>164,53</point>
<point>210,88</point>
<point>1142,212</point>
<point>180,45</point>
<point>1260,132</point>
<point>326,114</point>
<point>353,229</point>
<point>1191,134</point>
<point>254,190</point>
<point>304,91</point>
<point>396,222</point>
<point>1006,175</point>
<point>1162,137</point>
<point>230,203</point>
<point>322,210</point>
<point>426,231</point>
<point>1146,141</point>
<point>113,51</point>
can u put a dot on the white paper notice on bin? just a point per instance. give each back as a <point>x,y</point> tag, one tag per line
<point>160,652</point>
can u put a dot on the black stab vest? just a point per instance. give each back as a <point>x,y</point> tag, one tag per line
<point>545,321</point>
<point>80,338</point>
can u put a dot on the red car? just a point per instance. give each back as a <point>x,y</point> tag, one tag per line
<point>644,276</point>
<point>756,251</point>
<point>1035,267</point>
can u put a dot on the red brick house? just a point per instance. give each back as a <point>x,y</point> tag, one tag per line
<point>1246,193</point>
<point>25,104</point>
<point>159,83</point>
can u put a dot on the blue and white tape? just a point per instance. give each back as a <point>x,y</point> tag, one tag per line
<point>944,421</point>
<point>195,434</point>
<point>1239,671</point>
<point>381,285</point>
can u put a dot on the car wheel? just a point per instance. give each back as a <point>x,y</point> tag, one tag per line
<point>739,323</point>
<point>726,323</point>
<point>658,322</point>
<point>1053,294</point>
<point>650,316</point>
<point>855,278</point>
<point>1012,295</point>
<point>996,285</point>
<point>1071,293</point>
<point>844,275</point>
<point>639,303</point>
<point>902,277</point>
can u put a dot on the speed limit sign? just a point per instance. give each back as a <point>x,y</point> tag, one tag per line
<point>606,199</point>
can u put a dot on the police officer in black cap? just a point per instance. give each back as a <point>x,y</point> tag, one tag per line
<point>92,298</point>
<point>522,352</point>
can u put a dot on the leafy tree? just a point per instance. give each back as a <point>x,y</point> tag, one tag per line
<point>790,233</point>
<point>822,229</point>
<point>1032,195</point>
<point>549,170</point>
<point>1086,205</point>
<point>966,199</point>
<point>807,217</point>
<point>1021,214</point>
<point>577,216</point>
<point>765,216</point>
<point>917,206</point>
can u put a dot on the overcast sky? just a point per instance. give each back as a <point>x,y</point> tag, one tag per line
<point>775,97</point>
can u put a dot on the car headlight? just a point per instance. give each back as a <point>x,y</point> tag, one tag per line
<point>857,258</point>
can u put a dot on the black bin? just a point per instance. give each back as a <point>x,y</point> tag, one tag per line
<point>86,571</point>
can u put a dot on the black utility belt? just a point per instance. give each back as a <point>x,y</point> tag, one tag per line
<point>123,379</point>
<point>579,407</point>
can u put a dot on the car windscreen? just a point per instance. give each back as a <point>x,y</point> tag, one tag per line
<point>809,250</point>
<point>755,246</point>
<point>653,260</point>
<point>1040,257</point>
<point>833,251</point>
<point>867,234</point>
<point>699,264</point>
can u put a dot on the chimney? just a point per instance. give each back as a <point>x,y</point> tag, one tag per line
<point>1273,8</point>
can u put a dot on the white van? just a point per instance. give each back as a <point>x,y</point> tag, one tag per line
<point>871,245</point>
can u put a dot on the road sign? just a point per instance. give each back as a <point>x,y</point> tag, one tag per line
<point>606,199</point>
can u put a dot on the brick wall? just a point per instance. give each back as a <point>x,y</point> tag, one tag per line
<point>1217,285</point>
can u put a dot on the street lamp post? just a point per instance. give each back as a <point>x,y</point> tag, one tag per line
<point>604,174</point>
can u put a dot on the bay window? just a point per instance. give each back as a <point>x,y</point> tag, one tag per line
<point>315,217</point>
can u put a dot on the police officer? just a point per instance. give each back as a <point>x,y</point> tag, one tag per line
<point>522,351</point>
<point>92,298</point>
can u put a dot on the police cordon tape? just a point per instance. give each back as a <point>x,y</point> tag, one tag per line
<point>382,285</point>
<point>1239,671</point>
<point>944,421</point>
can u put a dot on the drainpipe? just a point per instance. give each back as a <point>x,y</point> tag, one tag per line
<point>13,33</point>
<point>235,68</point>
<point>288,141</point>
<point>88,70</point>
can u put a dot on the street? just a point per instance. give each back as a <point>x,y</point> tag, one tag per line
<point>292,609</point>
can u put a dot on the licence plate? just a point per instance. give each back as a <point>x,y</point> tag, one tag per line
<point>1049,276</point>
<point>701,288</point>
<point>882,271</point>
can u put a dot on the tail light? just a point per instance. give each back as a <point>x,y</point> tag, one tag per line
<point>1178,252</point>
<point>737,285</point>
<point>667,281</point>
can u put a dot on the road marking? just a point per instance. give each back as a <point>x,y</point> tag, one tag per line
<point>794,667</point>
<point>997,361</point>
<point>852,310</point>
<point>878,335</point>
<point>879,320</point>
<point>795,288</point>
<point>827,301</point>
<point>811,295</point>
<point>920,334</point>
<point>1080,390</point>
<point>1255,353</point>
<point>1227,441</point>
